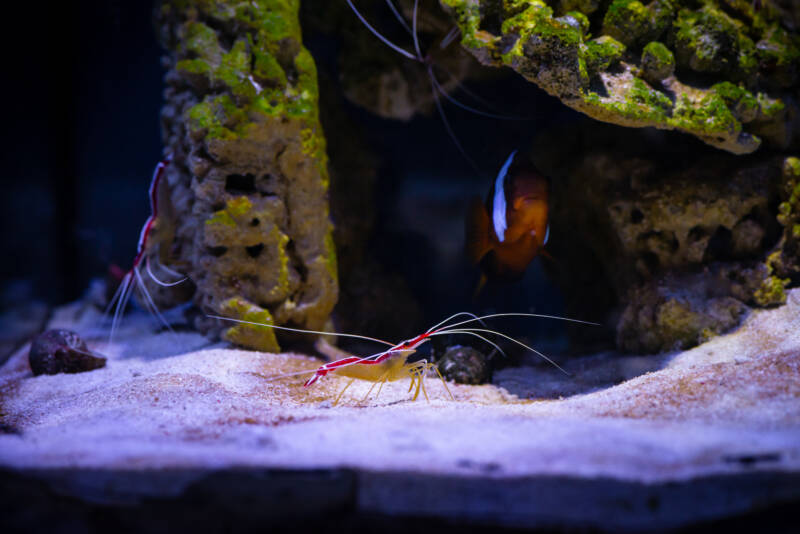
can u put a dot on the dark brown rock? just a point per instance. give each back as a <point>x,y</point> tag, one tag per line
<point>62,351</point>
<point>464,365</point>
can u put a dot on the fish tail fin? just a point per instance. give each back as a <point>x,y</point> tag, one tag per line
<point>476,232</point>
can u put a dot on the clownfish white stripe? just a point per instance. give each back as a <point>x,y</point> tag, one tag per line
<point>499,200</point>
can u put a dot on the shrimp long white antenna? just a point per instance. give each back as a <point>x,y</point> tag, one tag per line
<point>121,297</point>
<point>520,314</point>
<point>463,88</point>
<point>451,35</point>
<point>149,300</point>
<point>414,30</point>
<point>446,123</point>
<point>465,107</point>
<point>399,17</point>
<point>157,280</point>
<point>172,271</point>
<point>520,343</point>
<point>470,332</point>
<point>437,325</point>
<point>302,331</point>
<point>377,34</point>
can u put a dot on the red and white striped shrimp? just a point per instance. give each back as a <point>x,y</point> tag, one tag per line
<point>133,277</point>
<point>392,364</point>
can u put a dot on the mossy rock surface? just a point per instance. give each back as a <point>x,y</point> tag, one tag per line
<point>250,182</point>
<point>668,64</point>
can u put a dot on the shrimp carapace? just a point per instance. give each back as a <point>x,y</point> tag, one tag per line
<point>506,232</point>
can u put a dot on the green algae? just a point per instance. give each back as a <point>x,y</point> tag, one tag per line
<point>258,336</point>
<point>281,240</point>
<point>266,68</point>
<point>580,18</point>
<point>314,145</point>
<point>537,21</point>
<point>789,208</point>
<point>468,18</point>
<point>709,116</point>
<point>657,61</point>
<point>634,23</point>
<point>771,292</point>
<point>738,99</point>
<point>213,116</point>
<point>729,40</point>
<point>201,41</point>
<point>331,261</point>
<point>706,40</point>
<point>254,70</point>
<point>602,52</point>
<point>235,210</point>
<point>221,217</point>
<point>783,263</point>
<point>626,20</point>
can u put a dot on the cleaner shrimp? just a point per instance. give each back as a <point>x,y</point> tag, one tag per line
<point>426,61</point>
<point>133,277</point>
<point>392,364</point>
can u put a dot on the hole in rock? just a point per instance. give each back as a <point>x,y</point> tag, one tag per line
<point>255,250</point>
<point>719,245</point>
<point>238,184</point>
<point>651,261</point>
<point>217,251</point>
<point>697,233</point>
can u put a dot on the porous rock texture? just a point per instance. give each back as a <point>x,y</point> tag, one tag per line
<point>666,241</point>
<point>249,176</point>
<point>724,71</point>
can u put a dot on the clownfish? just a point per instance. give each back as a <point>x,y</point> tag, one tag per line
<point>506,232</point>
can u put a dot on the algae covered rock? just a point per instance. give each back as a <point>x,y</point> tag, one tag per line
<point>250,178</point>
<point>657,62</point>
<point>783,263</point>
<point>667,241</point>
<point>724,71</point>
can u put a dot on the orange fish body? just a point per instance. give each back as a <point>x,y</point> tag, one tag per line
<point>505,233</point>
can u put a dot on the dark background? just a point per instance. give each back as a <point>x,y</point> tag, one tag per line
<point>80,140</point>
